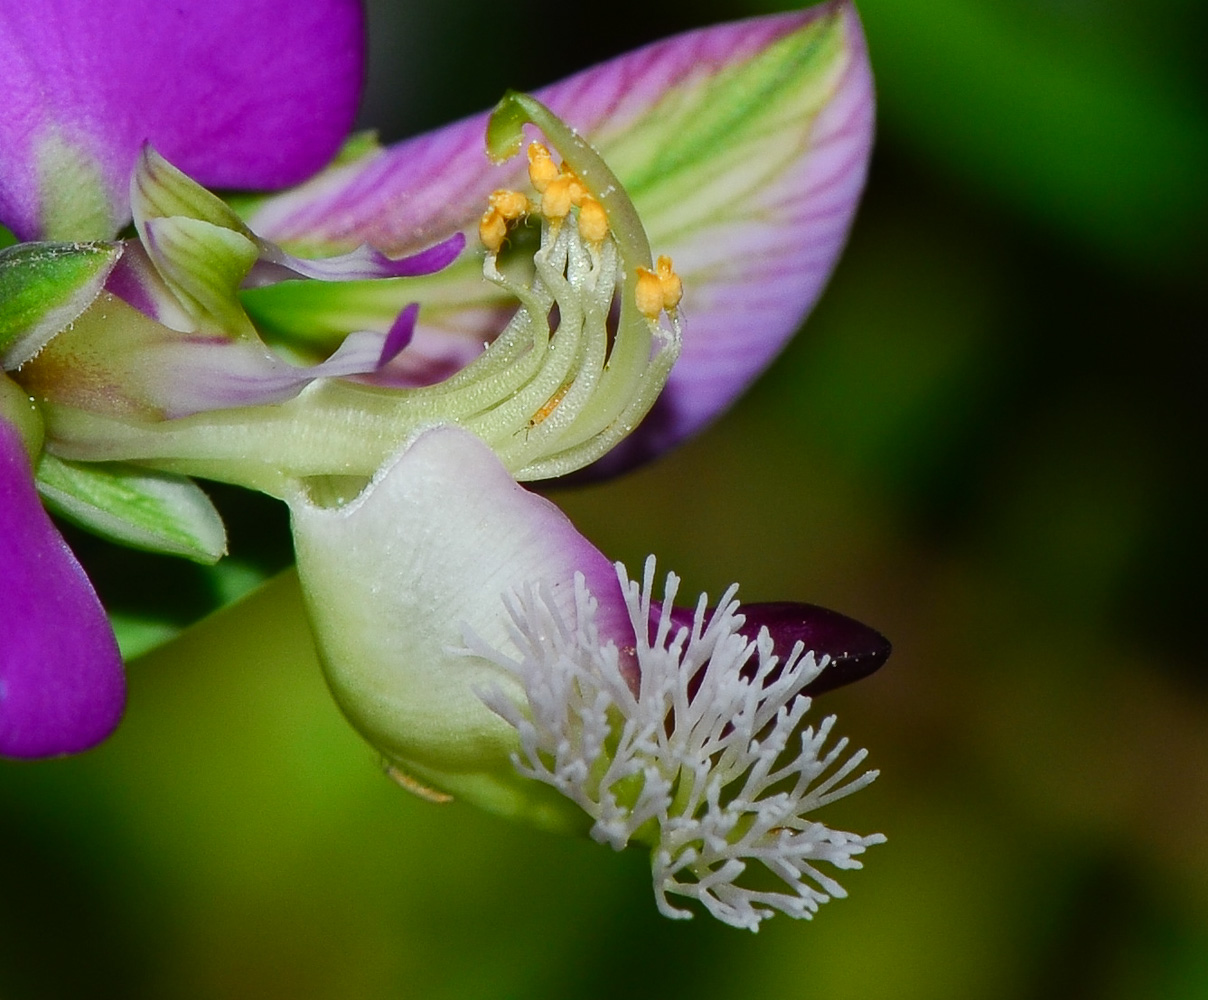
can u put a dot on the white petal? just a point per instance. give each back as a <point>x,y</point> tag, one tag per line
<point>396,578</point>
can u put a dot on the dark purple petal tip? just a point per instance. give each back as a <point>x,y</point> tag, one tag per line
<point>435,258</point>
<point>401,332</point>
<point>62,688</point>
<point>855,650</point>
<point>362,264</point>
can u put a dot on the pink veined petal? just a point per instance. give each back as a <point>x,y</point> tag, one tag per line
<point>117,361</point>
<point>751,273</point>
<point>237,93</point>
<point>62,688</point>
<point>361,264</point>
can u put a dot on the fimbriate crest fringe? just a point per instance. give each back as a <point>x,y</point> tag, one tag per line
<point>706,761</point>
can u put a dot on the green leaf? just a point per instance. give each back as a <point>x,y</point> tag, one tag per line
<point>140,632</point>
<point>1076,114</point>
<point>43,288</point>
<point>156,511</point>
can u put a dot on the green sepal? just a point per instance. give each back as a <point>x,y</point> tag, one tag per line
<point>319,314</point>
<point>43,288</point>
<point>198,244</point>
<point>156,511</point>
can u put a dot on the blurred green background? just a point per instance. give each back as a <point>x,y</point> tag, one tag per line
<point>988,442</point>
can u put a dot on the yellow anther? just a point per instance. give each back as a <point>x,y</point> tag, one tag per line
<point>669,282</point>
<point>556,199</point>
<point>542,169</point>
<point>648,293</point>
<point>577,191</point>
<point>511,205</point>
<point>492,229</point>
<point>549,405</point>
<point>593,221</point>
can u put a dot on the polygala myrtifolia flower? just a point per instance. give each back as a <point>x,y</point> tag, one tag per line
<point>480,642</point>
<point>325,345</point>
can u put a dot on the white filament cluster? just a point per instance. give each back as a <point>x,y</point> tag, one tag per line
<point>702,762</point>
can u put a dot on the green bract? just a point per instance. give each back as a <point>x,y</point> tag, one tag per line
<point>43,288</point>
<point>141,508</point>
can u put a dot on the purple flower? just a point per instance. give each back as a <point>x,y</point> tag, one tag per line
<point>754,219</point>
<point>227,101</point>
<point>248,94</point>
<point>466,628</point>
<point>743,147</point>
<point>61,682</point>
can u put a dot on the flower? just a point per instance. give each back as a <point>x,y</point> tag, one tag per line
<point>332,346</point>
<point>61,688</point>
<point>477,640</point>
<point>218,93</point>
<point>255,114</point>
<point>744,148</point>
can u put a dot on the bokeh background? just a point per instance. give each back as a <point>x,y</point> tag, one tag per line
<point>988,441</point>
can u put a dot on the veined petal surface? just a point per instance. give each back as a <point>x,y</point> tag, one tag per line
<point>237,93</point>
<point>115,361</point>
<point>62,688</point>
<point>744,148</point>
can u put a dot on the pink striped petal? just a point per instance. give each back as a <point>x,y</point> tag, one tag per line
<point>362,264</point>
<point>754,229</point>
<point>62,689</point>
<point>237,93</point>
<point>116,361</point>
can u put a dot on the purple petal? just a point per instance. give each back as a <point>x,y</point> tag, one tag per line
<point>115,360</point>
<point>237,93</point>
<point>200,375</point>
<point>61,683</point>
<point>400,335</point>
<point>362,264</point>
<point>855,650</point>
<point>751,273</point>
